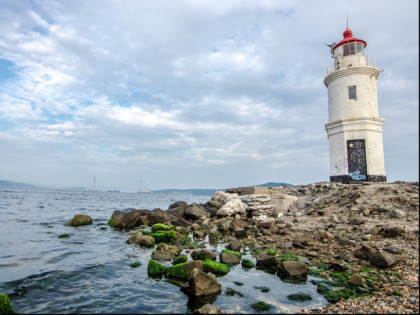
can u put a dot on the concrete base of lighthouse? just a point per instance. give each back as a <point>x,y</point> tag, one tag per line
<point>344,160</point>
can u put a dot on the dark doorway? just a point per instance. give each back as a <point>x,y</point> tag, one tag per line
<point>356,156</point>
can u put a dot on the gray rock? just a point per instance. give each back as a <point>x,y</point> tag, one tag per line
<point>158,216</point>
<point>201,284</point>
<point>229,258</point>
<point>195,212</point>
<point>397,214</point>
<point>364,252</point>
<point>177,209</point>
<point>146,241</point>
<point>127,218</point>
<point>383,259</point>
<point>357,219</point>
<point>293,268</point>
<point>208,309</point>
<point>235,245</point>
<point>162,256</point>
<point>266,261</point>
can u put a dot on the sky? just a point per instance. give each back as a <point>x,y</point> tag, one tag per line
<point>192,93</point>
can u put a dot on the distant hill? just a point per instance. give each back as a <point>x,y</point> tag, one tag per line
<point>272,184</point>
<point>210,192</point>
<point>9,184</point>
<point>198,192</point>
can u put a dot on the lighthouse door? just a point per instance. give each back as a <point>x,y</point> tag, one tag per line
<point>356,155</point>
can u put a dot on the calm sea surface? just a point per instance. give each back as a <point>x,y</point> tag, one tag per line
<point>90,272</point>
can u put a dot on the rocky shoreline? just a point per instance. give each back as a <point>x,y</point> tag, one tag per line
<point>361,239</point>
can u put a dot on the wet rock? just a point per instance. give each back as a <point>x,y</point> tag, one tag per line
<point>162,256</point>
<point>208,309</point>
<point>127,218</point>
<point>79,220</point>
<point>383,259</point>
<point>393,249</point>
<point>174,250</point>
<point>183,270</point>
<point>203,254</point>
<point>364,252</point>
<point>266,261</point>
<point>201,284</point>
<point>195,212</point>
<point>146,241</point>
<point>235,245</point>
<point>240,233</point>
<point>229,258</point>
<point>293,268</point>
<point>158,216</point>
<point>177,209</point>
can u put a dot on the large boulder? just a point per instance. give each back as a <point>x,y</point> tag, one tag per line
<point>231,208</point>
<point>79,219</point>
<point>174,250</point>
<point>127,218</point>
<point>195,212</point>
<point>201,284</point>
<point>158,216</point>
<point>293,268</point>
<point>177,209</point>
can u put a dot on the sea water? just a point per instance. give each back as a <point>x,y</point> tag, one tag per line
<point>90,272</point>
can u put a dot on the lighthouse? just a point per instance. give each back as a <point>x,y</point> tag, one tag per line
<point>354,128</point>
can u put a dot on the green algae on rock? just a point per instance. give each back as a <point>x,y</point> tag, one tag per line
<point>155,269</point>
<point>79,220</point>
<point>232,252</point>
<point>163,236</point>
<point>160,227</point>
<point>299,297</point>
<point>64,235</point>
<point>261,306</point>
<point>5,306</point>
<point>179,260</point>
<point>215,267</point>
<point>247,263</point>
<point>135,264</point>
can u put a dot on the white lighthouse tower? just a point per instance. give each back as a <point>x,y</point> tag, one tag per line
<point>354,128</point>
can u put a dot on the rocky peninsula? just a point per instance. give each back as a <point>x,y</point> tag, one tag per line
<point>361,240</point>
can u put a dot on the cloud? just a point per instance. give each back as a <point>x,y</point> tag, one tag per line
<point>232,91</point>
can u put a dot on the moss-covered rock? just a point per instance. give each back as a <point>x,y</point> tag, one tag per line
<point>232,252</point>
<point>337,295</point>
<point>160,227</point>
<point>322,289</point>
<point>5,306</point>
<point>79,219</point>
<point>215,267</point>
<point>299,297</point>
<point>111,222</point>
<point>64,235</point>
<point>179,260</point>
<point>183,270</point>
<point>163,236</point>
<point>155,269</point>
<point>135,264</point>
<point>203,254</point>
<point>261,306</point>
<point>247,263</point>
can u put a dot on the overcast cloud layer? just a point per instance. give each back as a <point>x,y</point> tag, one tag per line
<point>192,94</point>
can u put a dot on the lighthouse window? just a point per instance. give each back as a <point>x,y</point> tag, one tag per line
<point>352,93</point>
<point>353,49</point>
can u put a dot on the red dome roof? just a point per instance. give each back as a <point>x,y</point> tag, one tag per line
<point>348,38</point>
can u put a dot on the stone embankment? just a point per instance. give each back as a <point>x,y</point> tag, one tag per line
<point>362,239</point>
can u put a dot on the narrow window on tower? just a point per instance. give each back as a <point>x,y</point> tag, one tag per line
<point>352,93</point>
